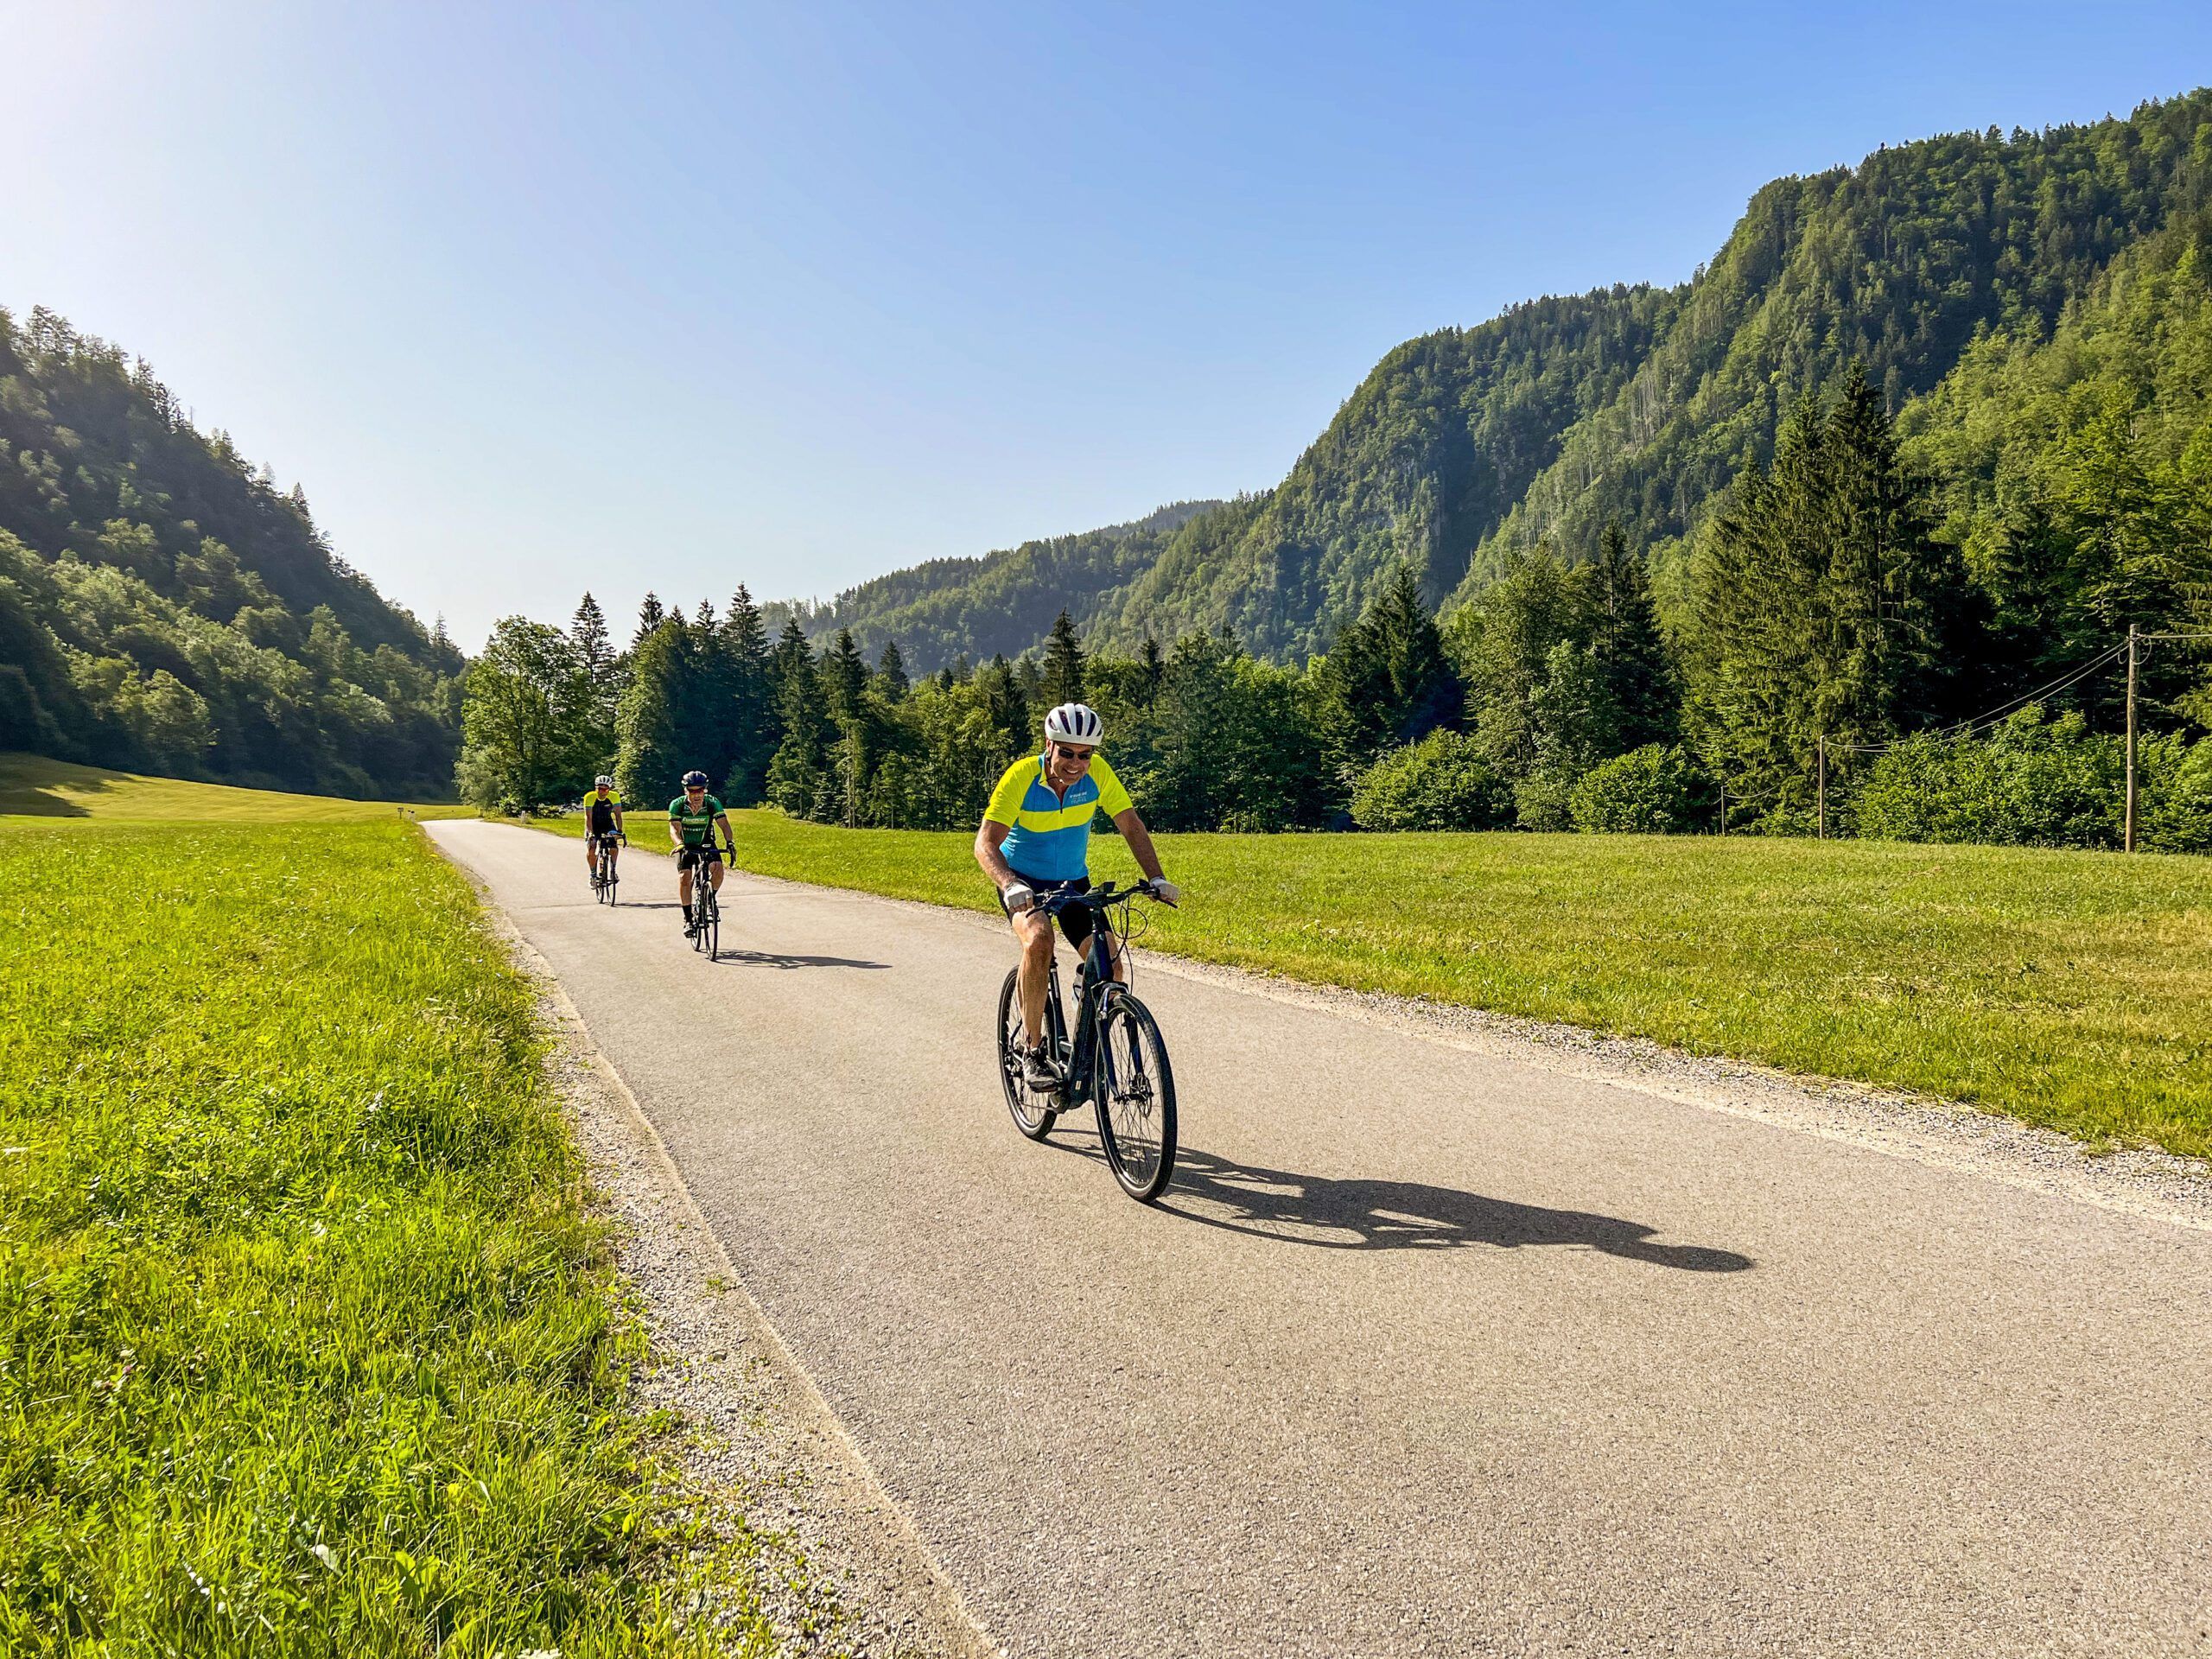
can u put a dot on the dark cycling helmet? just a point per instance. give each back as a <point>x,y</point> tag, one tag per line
<point>694,780</point>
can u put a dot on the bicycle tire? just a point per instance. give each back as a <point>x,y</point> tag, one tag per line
<point>1132,1091</point>
<point>1032,1119</point>
<point>714,928</point>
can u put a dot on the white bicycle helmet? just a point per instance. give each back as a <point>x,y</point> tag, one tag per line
<point>1075,722</point>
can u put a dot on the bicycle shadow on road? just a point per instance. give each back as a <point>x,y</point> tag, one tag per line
<point>1359,1214</point>
<point>775,959</point>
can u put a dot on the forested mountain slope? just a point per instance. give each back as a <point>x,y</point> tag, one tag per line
<point>1638,406</point>
<point>1003,601</point>
<point>164,607</point>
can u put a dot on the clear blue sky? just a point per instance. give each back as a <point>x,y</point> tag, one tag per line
<point>534,298</point>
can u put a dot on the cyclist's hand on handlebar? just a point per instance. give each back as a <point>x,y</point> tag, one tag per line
<point>1019,897</point>
<point>1165,891</point>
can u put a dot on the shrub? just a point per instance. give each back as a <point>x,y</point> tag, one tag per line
<point>1653,791</point>
<point>2032,782</point>
<point>1440,783</point>
<point>2174,786</point>
<point>1540,802</point>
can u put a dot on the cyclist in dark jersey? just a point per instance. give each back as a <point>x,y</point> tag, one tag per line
<point>602,821</point>
<point>692,816</point>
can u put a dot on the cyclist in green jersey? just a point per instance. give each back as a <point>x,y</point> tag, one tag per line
<point>692,816</point>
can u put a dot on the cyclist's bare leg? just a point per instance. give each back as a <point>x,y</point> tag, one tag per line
<point>1034,931</point>
<point>716,875</point>
<point>684,890</point>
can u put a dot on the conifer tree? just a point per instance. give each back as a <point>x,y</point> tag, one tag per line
<point>1822,604</point>
<point>799,775</point>
<point>650,616</point>
<point>1387,681</point>
<point>891,681</point>
<point>845,678</point>
<point>651,745</point>
<point>589,705</point>
<point>754,721</point>
<point>1630,656</point>
<point>1064,678</point>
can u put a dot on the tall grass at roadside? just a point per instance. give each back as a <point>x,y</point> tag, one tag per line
<point>2069,989</point>
<point>307,1344</point>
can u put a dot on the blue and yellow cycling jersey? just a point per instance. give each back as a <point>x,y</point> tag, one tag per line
<point>1048,839</point>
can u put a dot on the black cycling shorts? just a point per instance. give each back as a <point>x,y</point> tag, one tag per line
<point>1076,919</point>
<point>688,856</point>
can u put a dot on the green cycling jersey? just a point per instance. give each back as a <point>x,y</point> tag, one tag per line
<point>698,823</point>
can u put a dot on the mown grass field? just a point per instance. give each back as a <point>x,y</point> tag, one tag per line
<point>2070,989</point>
<point>32,787</point>
<point>307,1343</point>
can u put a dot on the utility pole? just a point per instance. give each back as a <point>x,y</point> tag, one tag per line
<point>1820,793</point>
<point>2129,841</point>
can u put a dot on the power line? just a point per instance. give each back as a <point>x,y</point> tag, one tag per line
<point>2064,682</point>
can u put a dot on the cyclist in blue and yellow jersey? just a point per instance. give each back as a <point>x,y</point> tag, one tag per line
<point>1034,842</point>
<point>602,821</point>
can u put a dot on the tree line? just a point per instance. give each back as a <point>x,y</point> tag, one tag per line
<point>1824,613</point>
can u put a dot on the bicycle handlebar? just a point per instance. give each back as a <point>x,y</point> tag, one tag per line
<point>1096,897</point>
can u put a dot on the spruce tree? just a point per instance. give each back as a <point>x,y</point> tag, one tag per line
<point>845,678</point>
<point>891,681</point>
<point>799,773</point>
<point>590,707</point>
<point>1064,677</point>
<point>650,616</point>
<point>1630,657</point>
<point>754,722</point>
<point>1387,681</point>
<point>1822,606</point>
<point>1153,665</point>
<point>651,755</point>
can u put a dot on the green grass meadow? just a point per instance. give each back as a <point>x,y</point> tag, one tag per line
<point>2070,989</point>
<point>32,787</point>
<point>308,1342</point>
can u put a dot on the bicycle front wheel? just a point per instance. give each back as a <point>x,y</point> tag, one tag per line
<point>1133,1090</point>
<point>714,928</point>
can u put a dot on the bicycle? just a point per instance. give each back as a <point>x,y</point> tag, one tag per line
<point>604,875</point>
<point>706,909</point>
<point>1117,1060</point>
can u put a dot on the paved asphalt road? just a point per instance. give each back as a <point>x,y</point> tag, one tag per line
<point>1426,1352</point>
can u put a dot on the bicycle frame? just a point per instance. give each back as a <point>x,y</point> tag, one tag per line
<point>1095,981</point>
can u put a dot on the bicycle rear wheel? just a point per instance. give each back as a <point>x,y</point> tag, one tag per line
<point>1034,1114</point>
<point>1133,1090</point>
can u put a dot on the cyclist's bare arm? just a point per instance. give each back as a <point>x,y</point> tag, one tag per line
<point>730,836</point>
<point>989,835</point>
<point>1139,842</point>
<point>676,834</point>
